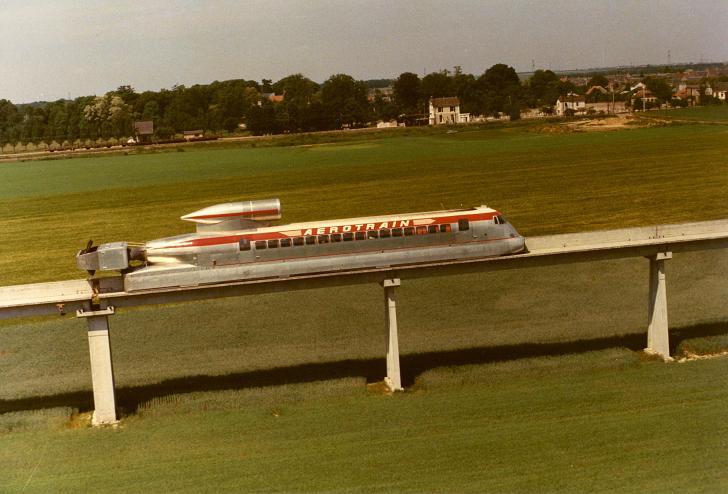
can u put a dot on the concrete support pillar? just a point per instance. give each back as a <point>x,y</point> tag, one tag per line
<point>658,340</point>
<point>393,378</point>
<point>102,371</point>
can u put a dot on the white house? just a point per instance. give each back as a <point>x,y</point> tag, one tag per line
<point>571,101</point>
<point>447,111</point>
<point>720,90</point>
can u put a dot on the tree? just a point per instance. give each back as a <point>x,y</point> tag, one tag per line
<point>437,85</point>
<point>466,89</point>
<point>345,101</point>
<point>384,109</point>
<point>151,111</point>
<point>407,93</point>
<point>502,90</point>
<point>108,115</point>
<point>262,119</point>
<point>598,80</point>
<point>543,88</point>
<point>659,87</point>
<point>298,93</point>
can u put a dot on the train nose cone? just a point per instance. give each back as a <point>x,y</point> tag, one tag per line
<point>518,241</point>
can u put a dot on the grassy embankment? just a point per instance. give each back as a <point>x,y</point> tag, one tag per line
<point>527,429</point>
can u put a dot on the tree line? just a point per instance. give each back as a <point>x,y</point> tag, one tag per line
<point>339,102</point>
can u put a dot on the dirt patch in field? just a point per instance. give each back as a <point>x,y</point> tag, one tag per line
<point>616,122</point>
<point>689,357</point>
<point>80,420</point>
<point>379,388</point>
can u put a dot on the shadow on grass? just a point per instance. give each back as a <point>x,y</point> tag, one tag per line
<point>129,398</point>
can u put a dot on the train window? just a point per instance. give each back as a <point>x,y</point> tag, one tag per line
<point>260,244</point>
<point>500,220</point>
<point>286,242</point>
<point>463,225</point>
<point>272,244</point>
<point>244,244</point>
<point>432,229</point>
<point>323,239</point>
<point>409,230</point>
<point>360,235</point>
<point>310,240</point>
<point>421,230</point>
<point>336,237</point>
<point>396,232</point>
<point>384,233</point>
<point>348,236</point>
<point>298,241</point>
<point>445,228</point>
<point>373,234</point>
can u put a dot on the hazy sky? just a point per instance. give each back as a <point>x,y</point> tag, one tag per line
<point>52,49</point>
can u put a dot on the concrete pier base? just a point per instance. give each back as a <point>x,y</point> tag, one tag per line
<point>393,378</point>
<point>102,371</point>
<point>658,339</point>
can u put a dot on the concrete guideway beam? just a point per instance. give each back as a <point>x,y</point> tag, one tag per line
<point>393,379</point>
<point>658,338</point>
<point>102,370</point>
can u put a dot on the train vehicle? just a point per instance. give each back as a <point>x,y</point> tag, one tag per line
<point>236,241</point>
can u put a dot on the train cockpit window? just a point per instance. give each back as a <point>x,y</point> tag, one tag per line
<point>244,244</point>
<point>336,237</point>
<point>373,234</point>
<point>384,233</point>
<point>323,239</point>
<point>409,230</point>
<point>272,244</point>
<point>396,232</point>
<point>421,230</point>
<point>432,229</point>
<point>260,244</point>
<point>463,225</point>
<point>298,241</point>
<point>446,228</point>
<point>360,235</point>
<point>286,242</point>
<point>348,236</point>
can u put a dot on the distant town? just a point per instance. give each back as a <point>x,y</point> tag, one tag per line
<point>297,104</point>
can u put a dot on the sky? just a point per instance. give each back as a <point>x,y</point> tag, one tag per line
<point>51,49</point>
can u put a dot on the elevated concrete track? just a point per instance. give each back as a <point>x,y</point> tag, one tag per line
<point>96,299</point>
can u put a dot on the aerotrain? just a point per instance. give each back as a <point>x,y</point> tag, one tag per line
<point>236,241</point>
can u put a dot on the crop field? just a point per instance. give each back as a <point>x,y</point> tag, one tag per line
<point>521,380</point>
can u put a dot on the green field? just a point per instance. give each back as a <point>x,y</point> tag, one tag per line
<point>522,380</point>
<point>714,114</point>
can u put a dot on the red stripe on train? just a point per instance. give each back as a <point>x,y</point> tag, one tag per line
<point>209,241</point>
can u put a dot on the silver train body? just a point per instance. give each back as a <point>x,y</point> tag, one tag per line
<point>236,242</point>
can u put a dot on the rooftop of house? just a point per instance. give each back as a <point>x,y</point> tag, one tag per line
<point>144,128</point>
<point>572,98</point>
<point>450,101</point>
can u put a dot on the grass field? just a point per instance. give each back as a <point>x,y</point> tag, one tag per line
<point>573,426</point>
<point>716,114</point>
<point>544,183</point>
<point>543,399</point>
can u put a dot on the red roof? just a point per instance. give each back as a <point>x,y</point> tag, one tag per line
<point>572,98</point>
<point>451,101</point>
<point>144,128</point>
